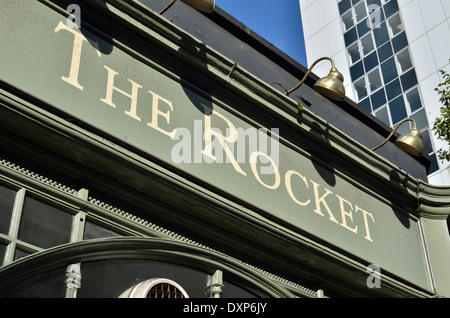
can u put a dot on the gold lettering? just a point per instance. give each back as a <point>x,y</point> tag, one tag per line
<point>345,214</point>
<point>289,187</point>
<point>156,112</point>
<point>346,207</point>
<point>322,200</point>
<point>253,160</point>
<point>133,96</point>
<point>366,223</point>
<point>72,79</point>
<point>209,132</point>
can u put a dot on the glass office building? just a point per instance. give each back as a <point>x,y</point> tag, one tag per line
<point>391,59</point>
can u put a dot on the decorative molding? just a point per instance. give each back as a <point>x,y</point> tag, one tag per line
<point>144,248</point>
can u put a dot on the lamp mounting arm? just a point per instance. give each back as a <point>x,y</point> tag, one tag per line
<point>394,131</point>
<point>168,6</point>
<point>309,71</point>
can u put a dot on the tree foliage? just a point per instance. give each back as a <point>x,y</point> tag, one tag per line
<point>442,123</point>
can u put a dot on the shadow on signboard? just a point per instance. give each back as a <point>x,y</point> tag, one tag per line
<point>394,178</point>
<point>84,19</point>
<point>324,168</point>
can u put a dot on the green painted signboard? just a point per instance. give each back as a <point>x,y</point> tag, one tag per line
<point>133,100</point>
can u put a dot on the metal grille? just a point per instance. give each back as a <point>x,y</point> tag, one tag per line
<point>164,290</point>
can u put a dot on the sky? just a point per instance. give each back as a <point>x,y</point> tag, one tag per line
<point>278,22</point>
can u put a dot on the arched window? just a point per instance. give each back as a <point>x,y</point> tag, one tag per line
<point>156,288</point>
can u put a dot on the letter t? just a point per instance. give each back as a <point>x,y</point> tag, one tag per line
<point>72,79</point>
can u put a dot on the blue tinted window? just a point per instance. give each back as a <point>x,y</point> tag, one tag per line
<point>409,79</point>
<point>428,148</point>
<point>376,2</point>
<point>363,27</point>
<point>434,164</point>
<point>378,99</point>
<point>421,119</point>
<point>399,42</point>
<point>371,61</point>
<point>367,44</point>
<point>366,104</point>
<point>353,52</point>
<point>344,5</point>
<point>385,52</point>
<point>381,34</point>
<point>413,99</point>
<point>390,8</point>
<point>393,89</point>
<point>389,70</point>
<point>377,17</point>
<point>398,110</point>
<point>376,14</point>
<point>360,11</point>
<point>350,36</point>
<point>404,61</point>
<point>360,88</point>
<point>383,115</point>
<point>347,19</point>
<point>356,71</point>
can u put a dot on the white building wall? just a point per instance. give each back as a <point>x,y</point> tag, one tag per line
<point>427,26</point>
<point>324,37</point>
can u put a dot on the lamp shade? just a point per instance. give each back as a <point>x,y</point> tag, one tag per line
<point>201,5</point>
<point>411,142</point>
<point>332,86</point>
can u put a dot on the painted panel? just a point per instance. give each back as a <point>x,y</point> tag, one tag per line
<point>106,87</point>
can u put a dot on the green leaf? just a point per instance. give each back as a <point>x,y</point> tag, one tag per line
<point>442,124</point>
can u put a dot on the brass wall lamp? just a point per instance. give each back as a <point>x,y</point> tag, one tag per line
<point>411,142</point>
<point>201,5</point>
<point>331,86</point>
